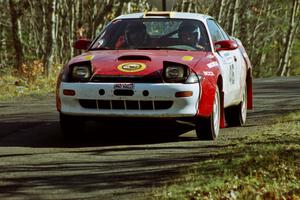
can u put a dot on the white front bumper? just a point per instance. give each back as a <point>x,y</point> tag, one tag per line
<point>181,107</point>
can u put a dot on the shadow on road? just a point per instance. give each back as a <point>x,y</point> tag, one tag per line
<point>101,177</point>
<point>47,134</point>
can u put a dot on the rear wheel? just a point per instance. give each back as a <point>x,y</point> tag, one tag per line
<point>208,128</point>
<point>71,126</point>
<point>236,115</point>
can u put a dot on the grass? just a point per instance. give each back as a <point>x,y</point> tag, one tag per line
<point>12,87</point>
<point>29,82</point>
<point>265,165</point>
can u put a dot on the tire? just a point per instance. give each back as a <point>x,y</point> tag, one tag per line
<point>236,115</point>
<point>208,128</point>
<point>71,126</point>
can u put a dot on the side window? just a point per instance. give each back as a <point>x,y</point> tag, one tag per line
<point>216,32</point>
<point>225,35</point>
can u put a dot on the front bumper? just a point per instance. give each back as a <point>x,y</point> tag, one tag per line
<point>159,100</point>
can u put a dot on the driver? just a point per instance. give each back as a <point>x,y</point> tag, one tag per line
<point>136,34</point>
<point>189,34</point>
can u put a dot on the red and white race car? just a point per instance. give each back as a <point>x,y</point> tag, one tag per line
<point>158,65</point>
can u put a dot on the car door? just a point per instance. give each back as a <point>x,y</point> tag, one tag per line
<point>228,60</point>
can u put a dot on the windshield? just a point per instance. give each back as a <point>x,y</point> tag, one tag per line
<point>172,34</point>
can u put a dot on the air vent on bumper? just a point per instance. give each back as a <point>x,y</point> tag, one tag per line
<point>125,104</point>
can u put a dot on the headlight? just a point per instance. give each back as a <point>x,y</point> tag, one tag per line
<point>81,73</point>
<point>175,73</point>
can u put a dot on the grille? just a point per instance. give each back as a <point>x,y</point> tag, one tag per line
<point>125,104</point>
<point>127,79</point>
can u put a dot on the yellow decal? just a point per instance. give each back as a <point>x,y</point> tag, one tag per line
<point>187,58</point>
<point>131,67</point>
<point>89,57</point>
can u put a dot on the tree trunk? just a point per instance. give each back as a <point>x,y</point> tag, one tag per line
<point>235,18</point>
<point>36,10</point>
<point>255,32</point>
<point>104,10</point>
<point>262,67</point>
<point>71,9</point>
<point>3,52</point>
<point>15,35</point>
<point>120,8</point>
<point>50,36</point>
<point>221,12</point>
<point>289,39</point>
<point>90,7</point>
<point>191,6</point>
<point>229,16</point>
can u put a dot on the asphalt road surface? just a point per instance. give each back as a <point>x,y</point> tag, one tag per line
<point>112,161</point>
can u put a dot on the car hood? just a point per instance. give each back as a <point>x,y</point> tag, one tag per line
<point>119,62</point>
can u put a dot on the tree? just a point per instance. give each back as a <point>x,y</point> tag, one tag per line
<point>50,39</point>
<point>284,66</point>
<point>15,15</point>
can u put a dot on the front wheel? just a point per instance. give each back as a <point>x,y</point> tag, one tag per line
<point>208,128</point>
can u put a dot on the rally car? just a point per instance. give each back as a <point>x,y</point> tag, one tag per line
<point>158,65</point>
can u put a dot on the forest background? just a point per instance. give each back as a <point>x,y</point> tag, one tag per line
<point>36,36</point>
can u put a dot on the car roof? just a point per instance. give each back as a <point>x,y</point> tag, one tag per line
<point>166,14</point>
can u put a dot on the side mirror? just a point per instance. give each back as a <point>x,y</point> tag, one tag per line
<point>226,45</point>
<point>82,44</point>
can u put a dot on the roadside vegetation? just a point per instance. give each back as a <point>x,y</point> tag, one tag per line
<point>29,81</point>
<point>263,165</point>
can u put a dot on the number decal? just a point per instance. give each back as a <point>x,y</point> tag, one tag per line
<point>231,74</point>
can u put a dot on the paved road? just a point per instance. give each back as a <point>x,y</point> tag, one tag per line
<point>113,161</point>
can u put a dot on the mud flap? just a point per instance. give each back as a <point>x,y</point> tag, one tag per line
<point>249,91</point>
<point>223,123</point>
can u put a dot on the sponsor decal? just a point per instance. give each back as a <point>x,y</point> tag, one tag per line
<point>212,64</point>
<point>131,67</point>
<point>231,74</point>
<point>89,57</point>
<point>187,58</point>
<point>208,73</point>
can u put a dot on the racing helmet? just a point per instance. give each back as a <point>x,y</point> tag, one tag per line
<point>189,33</point>
<point>135,33</point>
